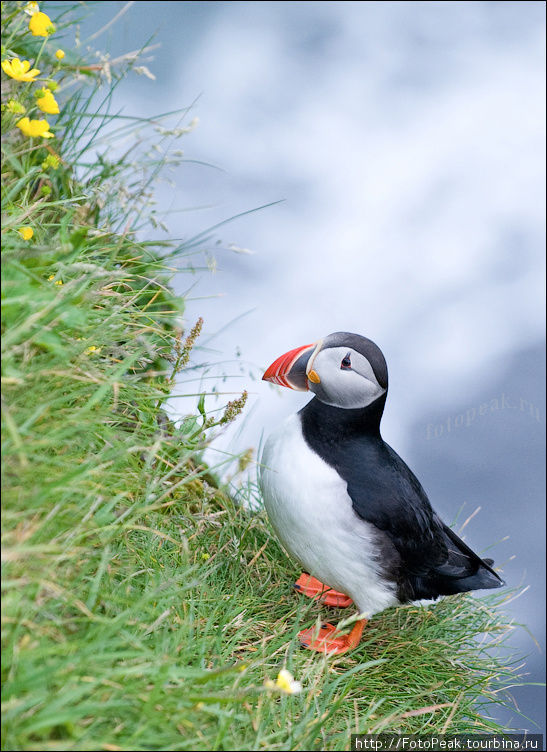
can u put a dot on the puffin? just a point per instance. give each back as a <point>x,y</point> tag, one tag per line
<point>343,503</point>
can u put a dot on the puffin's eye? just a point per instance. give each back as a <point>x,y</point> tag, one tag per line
<point>346,362</point>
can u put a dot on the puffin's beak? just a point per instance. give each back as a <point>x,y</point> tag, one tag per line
<point>290,369</point>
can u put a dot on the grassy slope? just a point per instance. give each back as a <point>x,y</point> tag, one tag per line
<point>142,608</point>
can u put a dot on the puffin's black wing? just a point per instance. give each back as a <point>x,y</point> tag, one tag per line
<point>427,558</point>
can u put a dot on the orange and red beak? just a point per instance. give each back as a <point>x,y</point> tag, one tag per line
<point>291,368</point>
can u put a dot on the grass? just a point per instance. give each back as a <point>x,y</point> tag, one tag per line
<point>142,607</point>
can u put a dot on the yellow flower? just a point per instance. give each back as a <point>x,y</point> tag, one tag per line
<point>34,128</point>
<point>92,349</point>
<point>31,8</point>
<point>40,25</point>
<point>60,54</point>
<point>205,556</point>
<point>47,102</point>
<point>26,232</point>
<point>52,160</point>
<point>51,277</point>
<point>59,282</point>
<point>284,682</point>
<point>19,70</point>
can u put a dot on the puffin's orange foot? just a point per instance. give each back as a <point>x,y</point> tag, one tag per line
<point>329,641</point>
<point>313,588</point>
<point>336,599</point>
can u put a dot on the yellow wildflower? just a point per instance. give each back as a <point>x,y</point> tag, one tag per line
<point>31,8</point>
<point>205,556</point>
<point>34,128</point>
<point>60,54</point>
<point>40,25</point>
<point>47,102</point>
<point>59,282</point>
<point>285,682</point>
<point>19,70</point>
<point>51,277</point>
<point>15,107</point>
<point>92,349</point>
<point>52,160</point>
<point>26,232</point>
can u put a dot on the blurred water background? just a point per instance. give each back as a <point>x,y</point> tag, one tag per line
<point>407,144</point>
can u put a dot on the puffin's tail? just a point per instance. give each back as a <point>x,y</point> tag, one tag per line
<point>462,571</point>
<point>484,579</point>
<point>482,575</point>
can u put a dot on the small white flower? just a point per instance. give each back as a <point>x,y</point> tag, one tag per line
<point>285,682</point>
<point>31,8</point>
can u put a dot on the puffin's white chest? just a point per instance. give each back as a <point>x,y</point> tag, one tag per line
<point>311,512</point>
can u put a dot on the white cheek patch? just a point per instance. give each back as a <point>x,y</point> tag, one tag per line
<point>349,388</point>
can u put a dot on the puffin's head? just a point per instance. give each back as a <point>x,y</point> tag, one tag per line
<point>343,370</point>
